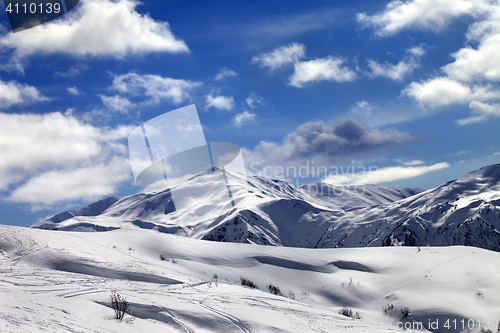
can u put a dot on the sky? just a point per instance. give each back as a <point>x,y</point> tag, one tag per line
<point>399,93</point>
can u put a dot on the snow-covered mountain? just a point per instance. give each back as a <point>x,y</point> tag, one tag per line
<point>465,211</point>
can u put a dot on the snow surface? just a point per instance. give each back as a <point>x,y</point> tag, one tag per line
<point>54,281</point>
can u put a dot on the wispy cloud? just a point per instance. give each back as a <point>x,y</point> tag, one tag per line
<point>253,100</point>
<point>280,56</point>
<point>383,175</point>
<point>154,88</point>
<point>242,118</point>
<point>223,73</point>
<point>400,70</point>
<point>73,91</point>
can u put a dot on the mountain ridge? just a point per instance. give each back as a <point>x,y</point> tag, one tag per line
<point>464,211</point>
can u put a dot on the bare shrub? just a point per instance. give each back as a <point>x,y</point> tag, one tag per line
<point>119,305</point>
<point>248,283</point>
<point>405,312</point>
<point>387,308</point>
<point>274,290</point>
<point>345,311</point>
<point>163,258</point>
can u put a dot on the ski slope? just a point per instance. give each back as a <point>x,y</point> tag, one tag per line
<point>59,281</point>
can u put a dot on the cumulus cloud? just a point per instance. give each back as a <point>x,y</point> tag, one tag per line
<point>242,118</point>
<point>14,93</point>
<point>97,28</point>
<point>382,175</point>
<point>324,69</point>
<point>73,91</point>
<point>280,56</point>
<point>88,183</point>
<point>116,103</point>
<point>155,87</point>
<point>43,151</point>
<point>420,14</point>
<point>219,102</point>
<point>253,100</point>
<point>223,73</point>
<point>400,70</point>
<point>482,112</point>
<point>474,74</point>
<point>443,91</point>
<point>348,139</point>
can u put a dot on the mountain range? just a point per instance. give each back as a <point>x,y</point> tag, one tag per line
<point>465,211</point>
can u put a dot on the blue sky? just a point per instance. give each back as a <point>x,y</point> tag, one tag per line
<point>407,88</point>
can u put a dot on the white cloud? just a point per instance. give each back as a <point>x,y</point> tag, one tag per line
<point>253,100</point>
<point>496,154</point>
<point>116,103</point>
<point>41,147</point>
<point>480,63</point>
<point>400,70</point>
<point>73,71</point>
<point>280,56</point>
<point>483,112</point>
<point>88,183</point>
<point>223,73</point>
<point>443,91</point>
<point>324,69</point>
<point>420,14</point>
<point>14,93</point>
<point>97,28</point>
<point>474,74</point>
<point>362,108</point>
<point>73,91</point>
<point>382,175</point>
<point>219,102</point>
<point>155,87</point>
<point>242,118</point>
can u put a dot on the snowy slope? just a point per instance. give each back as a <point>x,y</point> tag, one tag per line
<point>60,282</point>
<point>156,210</point>
<point>465,211</point>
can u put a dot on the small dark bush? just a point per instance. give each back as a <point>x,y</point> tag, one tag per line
<point>248,283</point>
<point>274,290</point>
<point>345,311</point>
<point>405,312</point>
<point>174,261</point>
<point>163,258</point>
<point>119,305</point>
<point>387,308</point>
